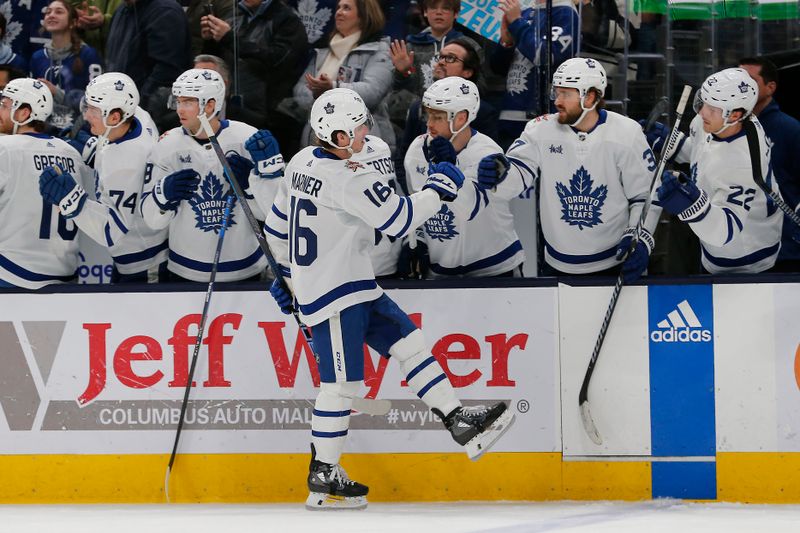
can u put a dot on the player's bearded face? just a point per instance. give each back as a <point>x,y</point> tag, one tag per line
<point>568,105</point>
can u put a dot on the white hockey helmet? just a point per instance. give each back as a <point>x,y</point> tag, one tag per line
<point>32,92</point>
<point>728,90</point>
<point>110,91</point>
<point>453,95</point>
<point>338,110</point>
<point>582,73</point>
<point>203,84</point>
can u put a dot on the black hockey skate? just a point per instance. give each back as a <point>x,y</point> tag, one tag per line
<point>330,488</point>
<point>477,428</point>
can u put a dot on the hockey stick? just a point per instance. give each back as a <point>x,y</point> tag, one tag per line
<point>659,109</point>
<point>368,406</point>
<point>755,163</point>
<point>200,330</point>
<point>583,396</point>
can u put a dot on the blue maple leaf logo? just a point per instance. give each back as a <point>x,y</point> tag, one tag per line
<point>441,226</point>
<point>208,204</point>
<point>580,204</point>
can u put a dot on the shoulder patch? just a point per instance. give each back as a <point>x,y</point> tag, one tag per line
<point>353,165</point>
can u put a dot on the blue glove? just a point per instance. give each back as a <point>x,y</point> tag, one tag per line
<point>59,188</point>
<point>439,150</point>
<point>636,262</point>
<point>241,167</point>
<point>446,179</point>
<point>680,196</point>
<point>282,297</point>
<point>171,189</point>
<point>413,263</point>
<point>492,170</point>
<point>658,134</point>
<point>266,154</point>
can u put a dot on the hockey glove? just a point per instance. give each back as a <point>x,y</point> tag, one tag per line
<point>658,134</point>
<point>171,189</point>
<point>282,297</point>
<point>446,179</point>
<point>680,196</point>
<point>59,188</point>
<point>637,260</point>
<point>439,150</point>
<point>241,167</point>
<point>413,263</point>
<point>266,154</point>
<point>492,170</point>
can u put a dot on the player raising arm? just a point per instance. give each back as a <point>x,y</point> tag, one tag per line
<point>333,203</point>
<point>38,242</point>
<point>738,226</point>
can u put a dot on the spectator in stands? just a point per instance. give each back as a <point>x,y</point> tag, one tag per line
<point>413,58</point>
<point>149,41</point>
<point>522,58</point>
<point>356,58</point>
<point>94,21</point>
<point>66,64</point>
<point>271,45</point>
<point>317,17</point>
<point>784,134</point>
<point>7,55</point>
<point>198,9</point>
<point>458,57</point>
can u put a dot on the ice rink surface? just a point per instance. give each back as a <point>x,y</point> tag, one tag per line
<point>465,517</point>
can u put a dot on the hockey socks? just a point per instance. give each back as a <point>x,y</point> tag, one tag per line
<point>424,374</point>
<point>330,420</point>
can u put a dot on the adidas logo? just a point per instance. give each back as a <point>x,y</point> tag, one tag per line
<point>681,325</point>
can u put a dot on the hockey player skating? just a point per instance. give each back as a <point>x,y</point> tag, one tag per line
<point>594,169</point>
<point>187,191</point>
<point>474,234</point>
<point>738,226</point>
<point>122,147</point>
<point>39,241</point>
<point>333,203</point>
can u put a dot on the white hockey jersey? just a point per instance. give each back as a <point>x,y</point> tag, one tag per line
<point>593,186</point>
<point>194,226</point>
<point>386,252</point>
<point>120,171</point>
<point>333,207</point>
<point>38,246</point>
<point>474,235</point>
<point>741,231</point>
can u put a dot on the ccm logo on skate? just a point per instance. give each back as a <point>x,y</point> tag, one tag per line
<point>681,325</point>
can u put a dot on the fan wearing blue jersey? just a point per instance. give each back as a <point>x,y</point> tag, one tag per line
<point>333,204</point>
<point>474,235</point>
<point>594,170</point>
<point>739,227</point>
<point>43,184</point>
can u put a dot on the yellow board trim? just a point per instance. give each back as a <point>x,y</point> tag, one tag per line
<point>281,478</point>
<point>758,477</point>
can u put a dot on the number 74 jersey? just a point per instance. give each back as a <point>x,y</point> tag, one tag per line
<point>332,208</point>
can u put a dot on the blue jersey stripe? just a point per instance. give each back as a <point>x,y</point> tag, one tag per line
<point>278,213</point>
<point>224,266</point>
<point>749,259</point>
<point>580,259</point>
<point>487,262</point>
<point>394,216</point>
<point>27,274</point>
<point>126,259</point>
<point>339,292</point>
<point>276,233</point>
<point>409,217</point>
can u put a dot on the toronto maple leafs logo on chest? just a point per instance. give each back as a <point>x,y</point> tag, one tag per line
<point>441,226</point>
<point>581,205</point>
<point>208,204</point>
